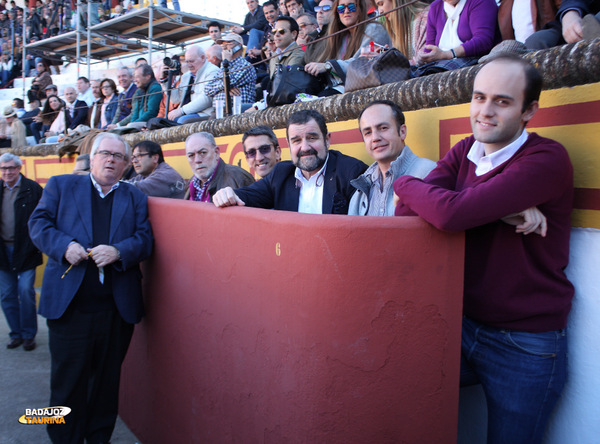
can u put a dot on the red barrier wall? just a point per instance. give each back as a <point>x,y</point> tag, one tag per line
<point>277,327</point>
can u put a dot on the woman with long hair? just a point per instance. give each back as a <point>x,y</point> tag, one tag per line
<point>54,118</point>
<point>111,102</point>
<point>407,26</point>
<point>342,47</point>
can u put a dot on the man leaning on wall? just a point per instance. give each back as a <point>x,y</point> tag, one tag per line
<point>512,194</point>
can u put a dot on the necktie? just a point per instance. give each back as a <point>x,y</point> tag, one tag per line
<point>188,92</point>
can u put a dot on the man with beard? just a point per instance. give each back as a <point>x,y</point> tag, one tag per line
<point>316,180</point>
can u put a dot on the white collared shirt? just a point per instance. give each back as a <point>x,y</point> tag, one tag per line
<point>311,191</point>
<point>99,188</point>
<point>485,164</point>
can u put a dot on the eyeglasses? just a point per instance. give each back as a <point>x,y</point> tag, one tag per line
<point>106,154</point>
<point>279,31</point>
<point>264,150</point>
<point>325,8</point>
<point>139,156</point>
<point>12,168</point>
<point>350,7</point>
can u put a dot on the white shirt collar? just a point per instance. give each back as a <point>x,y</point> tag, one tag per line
<point>311,190</point>
<point>99,188</point>
<point>485,164</point>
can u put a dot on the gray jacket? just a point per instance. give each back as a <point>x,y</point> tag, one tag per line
<point>164,181</point>
<point>407,163</point>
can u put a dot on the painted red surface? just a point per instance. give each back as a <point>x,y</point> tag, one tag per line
<point>277,327</point>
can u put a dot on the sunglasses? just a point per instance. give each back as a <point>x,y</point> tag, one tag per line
<point>264,150</point>
<point>325,8</point>
<point>350,7</point>
<point>279,31</point>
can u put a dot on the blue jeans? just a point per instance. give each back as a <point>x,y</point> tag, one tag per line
<point>163,4</point>
<point>18,300</point>
<point>522,375</point>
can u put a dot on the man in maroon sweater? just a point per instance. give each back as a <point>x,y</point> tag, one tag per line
<point>511,192</point>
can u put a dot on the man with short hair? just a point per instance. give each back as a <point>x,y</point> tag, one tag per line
<point>76,110</point>
<point>95,231</point>
<point>94,111</point>
<point>316,180</point>
<point>254,20</point>
<point>271,13</point>
<point>214,31</point>
<point>155,177</point>
<point>288,52</point>
<point>193,102</point>
<point>242,75</point>
<point>214,54</point>
<point>125,79</point>
<point>18,256</point>
<point>308,25</point>
<point>210,172</point>
<point>82,164</point>
<point>146,100</point>
<point>85,92</point>
<point>51,90</point>
<point>382,126</point>
<point>516,295</point>
<point>295,8</point>
<point>261,149</point>
<point>324,12</point>
<point>141,61</point>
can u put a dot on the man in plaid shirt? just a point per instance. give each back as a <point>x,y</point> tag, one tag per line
<point>242,75</point>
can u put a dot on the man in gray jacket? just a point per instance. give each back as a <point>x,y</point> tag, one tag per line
<point>382,126</point>
<point>154,176</point>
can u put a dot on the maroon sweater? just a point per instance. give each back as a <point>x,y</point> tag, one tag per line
<point>512,281</point>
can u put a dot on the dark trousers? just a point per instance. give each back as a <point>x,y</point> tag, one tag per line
<point>87,350</point>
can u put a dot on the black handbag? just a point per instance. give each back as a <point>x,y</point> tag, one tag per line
<point>389,66</point>
<point>290,80</point>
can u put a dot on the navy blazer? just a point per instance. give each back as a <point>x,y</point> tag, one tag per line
<point>279,190</point>
<point>64,215</point>
<point>80,113</point>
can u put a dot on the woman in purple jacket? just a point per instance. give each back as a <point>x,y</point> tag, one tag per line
<point>458,33</point>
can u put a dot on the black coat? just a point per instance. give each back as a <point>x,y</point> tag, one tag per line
<point>279,190</point>
<point>25,256</point>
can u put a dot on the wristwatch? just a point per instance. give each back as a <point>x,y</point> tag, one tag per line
<point>328,66</point>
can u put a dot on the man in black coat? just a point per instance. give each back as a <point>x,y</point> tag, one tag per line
<point>77,110</point>
<point>316,180</point>
<point>18,256</point>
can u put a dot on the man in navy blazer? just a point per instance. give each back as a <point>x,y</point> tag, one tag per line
<point>95,231</point>
<point>316,180</point>
<point>77,110</point>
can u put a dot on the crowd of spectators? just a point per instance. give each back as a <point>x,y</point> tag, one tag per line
<point>322,38</point>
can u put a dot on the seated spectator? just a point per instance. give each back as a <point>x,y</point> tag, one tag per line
<point>163,4</point>
<point>82,164</point>
<point>125,79</point>
<point>282,9</point>
<point>254,20</point>
<point>575,20</point>
<point>382,126</point>
<point>50,90</point>
<point>458,33</point>
<point>154,176</point>
<point>76,110</point>
<point>406,26</point>
<point>141,61</point>
<point>242,75</point>
<point>6,66</point>
<point>146,100</point>
<point>41,80</point>
<point>27,118</point>
<point>95,110</point>
<point>12,130</point>
<point>85,91</point>
<point>324,12</point>
<point>53,118</point>
<point>118,12</point>
<point>307,24</point>
<point>194,103</point>
<point>210,172</point>
<point>295,8</point>
<point>214,54</point>
<point>519,20</point>
<point>19,107</point>
<point>271,13</point>
<point>316,180</point>
<point>110,105</point>
<point>214,31</point>
<point>287,50</point>
<point>261,149</point>
<point>342,46</point>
